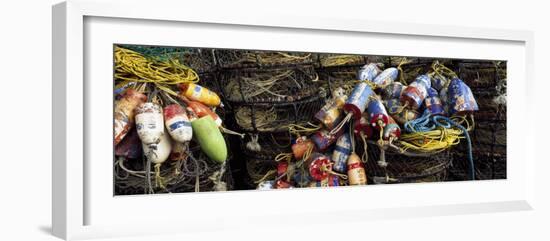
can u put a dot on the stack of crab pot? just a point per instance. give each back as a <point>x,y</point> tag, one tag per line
<point>266,93</point>
<point>179,172</point>
<point>487,80</point>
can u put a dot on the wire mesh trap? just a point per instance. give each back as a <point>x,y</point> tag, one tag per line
<point>272,97</point>
<point>269,85</point>
<point>228,58</point>
<point>190,174</point>
<point>265,146</point>
<point>406,168</point>
<point>276,117</point>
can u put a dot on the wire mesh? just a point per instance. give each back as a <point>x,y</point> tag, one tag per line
<point>229,58</point>
<point>275,85</point>
<point>400,168</point>
<point>178,176</point>
<point>276,117</point>
<point>270,145</point>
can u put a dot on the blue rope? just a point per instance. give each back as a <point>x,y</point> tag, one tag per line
<point>450,122</point>
<point>420,124</point>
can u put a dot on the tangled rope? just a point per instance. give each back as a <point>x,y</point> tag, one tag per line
<point>338,60</point>
<point>131,66</point>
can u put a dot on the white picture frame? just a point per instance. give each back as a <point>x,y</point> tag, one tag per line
<point>76,199</point>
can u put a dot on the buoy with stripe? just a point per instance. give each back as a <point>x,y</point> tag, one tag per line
<point>386,77</point>
<point>356,171</point>
<point>368,72</point>
<point>341,152</point>
<point>177,123</point>
<point>149,123</point>
<point>199,93</point>
<point>201,110</point>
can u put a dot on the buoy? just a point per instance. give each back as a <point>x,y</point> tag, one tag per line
<point>149,123</point>
<point>177,123</point>
<point>461,100</point>
<point>201,110</point>
<point>391,130</point>
<point>130,146</point>
<point>199,93</point>
<point>341,152</point>
<point>331,113</point>
<point>158,153</point>
<point>358,100</point>
<point>124,112</point>
<point>323,139</point>
<point>300,147</point>
<point>378,115</point>
<point>393,91</point>
<point>362,127</point>
<point>282,184</point>
<point>433,102</point>
<point>330,181</point>
<point>368,72</point>
<point>210,139</point>
<point>414,94</point>
<point>318,165</point>
<point>386,77</point>
<point>356,171</point>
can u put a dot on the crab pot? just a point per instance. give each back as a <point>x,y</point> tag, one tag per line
<point>416,92</point>
<point>433,103</point>
<point>130,185</point>
<point>461,100</point>
<point>271,144</point>
<point>377,112</point>
<point>271,85</point>
<point>393,91</point>
<point>341,152</point>
<point>231,59</point>
<point>255,169</point>
<point>275,117</point>
<point>402,168</point>
<point>324,60</point>
<point>358,100</point>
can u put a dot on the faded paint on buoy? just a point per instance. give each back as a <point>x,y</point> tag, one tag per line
<point>358,100</point>
<point>461,100</point>
<point>377,112</point>
<point>341,152</point>
<point>386,77</point>
<point>368,72</point>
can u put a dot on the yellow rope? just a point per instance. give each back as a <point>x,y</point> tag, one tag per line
<point>299,130</point>
<point>338,60</point>
<point>131,66</point>
<point>400,69</point>
<point>431,141</point>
